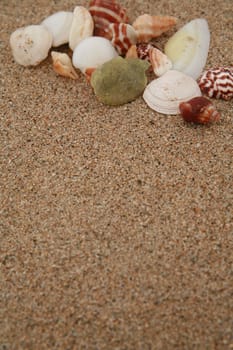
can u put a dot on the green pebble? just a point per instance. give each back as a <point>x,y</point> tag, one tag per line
<point>120,80</point>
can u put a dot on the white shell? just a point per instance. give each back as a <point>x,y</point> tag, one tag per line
<point>164,94</point>
<point>92,52</point>
<point>59,25</point>
<point>188,48</point>
<point>159,61</point>
<point>62,65</point>
<point>82,26</point>
<point>30,45</point>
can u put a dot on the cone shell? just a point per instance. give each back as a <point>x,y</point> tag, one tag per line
<point>217,82</point>
<point>148,27</point>
<point>62,65</point>
<point>105,12</point>
<point>164,94</point>
<point>82,26</point>
<point>199,110</point>
<point>159,61</point>
<point>123,36</point>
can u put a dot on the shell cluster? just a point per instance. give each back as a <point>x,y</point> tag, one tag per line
<point>114,55</point>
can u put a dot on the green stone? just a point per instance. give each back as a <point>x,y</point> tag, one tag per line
<point>120,80</point>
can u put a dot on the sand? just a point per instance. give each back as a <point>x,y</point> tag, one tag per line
<point>116,227</point>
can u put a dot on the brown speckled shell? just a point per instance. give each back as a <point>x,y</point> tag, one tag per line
<point>217,82</point>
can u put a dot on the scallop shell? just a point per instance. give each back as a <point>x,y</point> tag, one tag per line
<point>148,27</point>
<point>159,61</point>
<point>59,25</point>
<point>92,52</point>
<point>123,36</point>
<point>62,65</point>
<point>30,45</point>
<point>82,26</point>
<point>105,12</point>
<point>164,94</point>
<point>217,82</point>
<point>199,110</point>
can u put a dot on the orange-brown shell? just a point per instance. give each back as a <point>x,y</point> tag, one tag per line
<point>149,27</point>
<point>199,110</point>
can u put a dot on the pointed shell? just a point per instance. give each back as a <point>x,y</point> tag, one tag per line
<point>159,61</point>
<point>217,82</point>
<point>62,65</point>
<point>30,45</point>
<point>82,26</point>
<point>123,36</point>
<point>164,94</point>
<point>148,27</point>
<point>92,52</point>
<point>59,25</point>
<point>105,12</point>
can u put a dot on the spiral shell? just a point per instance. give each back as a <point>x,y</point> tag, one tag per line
<point>123,36</point>
<point>105,12</point>
<point>217,82</point>
<point>159,61</point>
<point>140,50</point>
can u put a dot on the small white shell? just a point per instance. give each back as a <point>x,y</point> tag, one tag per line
<point>82,26</point>
<point>62,65</point>
<point>164,94</point>
<point>30,45</point>
<point>92,52</point>
<point>159,61</point>
<point>59,25</point>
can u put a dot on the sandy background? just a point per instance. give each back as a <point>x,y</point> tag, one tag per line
<point>116,224</point>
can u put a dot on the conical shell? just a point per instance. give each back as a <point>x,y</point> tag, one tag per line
<point>62,65</point>
<point>159,61</point>
<point>82,26</point>
<point>123,36</point>
<point>164,94</point>
<point>148,27</point>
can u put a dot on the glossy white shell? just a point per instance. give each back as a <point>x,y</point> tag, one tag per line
<point>30,45</point>
<point>164,94</point>
<point>92,52</point>
<point>59,25</point>
<point>82,26</point>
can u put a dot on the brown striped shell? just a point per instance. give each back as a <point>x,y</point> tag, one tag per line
<point>217,82</point>
<point>140,50</point>
<point>123,36</point>
<point>105,12</point>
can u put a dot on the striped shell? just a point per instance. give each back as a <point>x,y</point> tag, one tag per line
<point>159,61</point>
<point>123,36</point>
<point>140,50</point>
<point>105,12</point>
<point>217,82</point>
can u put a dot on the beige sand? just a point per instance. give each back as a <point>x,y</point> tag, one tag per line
<point>116,223</point>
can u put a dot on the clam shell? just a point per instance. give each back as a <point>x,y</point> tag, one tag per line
<point>93,52</point>
<point>148,27</point>
<point>159,61</point>
<point>82,26</point>
<point>123,36</point>
<point>164,94</point>
<point>62,65</point>
<point>105,12</point>
<point>59,25</point>
<point>30,45</point>
<point>217,82</point>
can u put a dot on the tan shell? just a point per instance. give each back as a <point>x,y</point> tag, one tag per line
<point>148,27</point>
<point>159,61</point>
<point>62,65</point>
<point>82,26</point>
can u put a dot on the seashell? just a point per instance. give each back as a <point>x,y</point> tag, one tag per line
<point>140,50</point>
<point>148,27</point>
<point>92,52</point>
<point>59,25</point>
<point>199,110</point>
<point>105,12</point>
<point>62,65</point>
<point>159,61</point>
<point>123,36</point>
<point>30,45</point>
<point>217,82</point>
<point>82,26</point>
<point>164,94</point>
<point>120,80</point>
<point>188,48</point>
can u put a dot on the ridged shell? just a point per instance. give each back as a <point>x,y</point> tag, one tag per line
<point>217,82</point>
<point>82,26</point>
<point>149,27</point>
<point>62,65</point>
<point>159,61</point>
<point>123,36</point>
<point>105,12</point>
<point>199,110</point>
<point>164,94</point>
